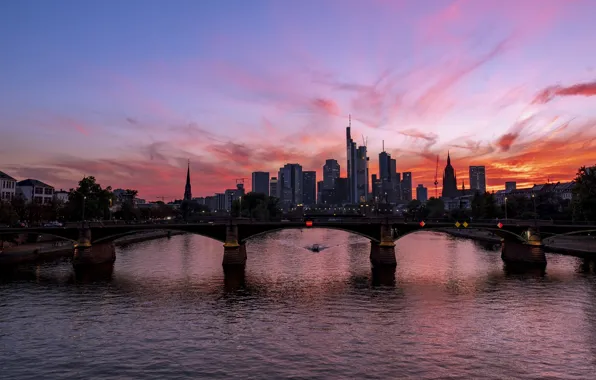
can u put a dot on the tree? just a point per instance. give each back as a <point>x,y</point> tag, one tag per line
<point>584,194</point>
<point>435,207</point>
<point>89,200</point>
<point>256,206</point>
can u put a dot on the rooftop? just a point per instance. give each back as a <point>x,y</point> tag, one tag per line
<point>33,183</point>
<point>6,176</point>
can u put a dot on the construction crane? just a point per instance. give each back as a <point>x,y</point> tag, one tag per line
<point>436,178</point>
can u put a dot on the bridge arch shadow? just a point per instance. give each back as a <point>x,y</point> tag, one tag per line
<point>243,238</point>
<point>502,234</point>
<point>63,237</point>
<point>113,237</point>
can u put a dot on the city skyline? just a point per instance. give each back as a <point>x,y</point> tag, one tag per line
<point>247,89</point>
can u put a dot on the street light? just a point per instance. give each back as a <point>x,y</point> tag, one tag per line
<point>505,208</point>
<point>83,211</point>
<point>534,203</point>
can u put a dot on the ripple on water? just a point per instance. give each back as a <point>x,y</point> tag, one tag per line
<point>167,311</point>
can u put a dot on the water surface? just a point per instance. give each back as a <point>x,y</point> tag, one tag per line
<point>168,311</point>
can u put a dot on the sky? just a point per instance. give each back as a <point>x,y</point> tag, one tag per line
<point>129,91</point>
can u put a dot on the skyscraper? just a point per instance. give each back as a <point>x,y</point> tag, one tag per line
<point>289,185</point>
<point>449,181</point>
<point>362,185</point>
<point>421,193</point>
<point>260,182</point>
<point>384,171</point>
<point>309,188</point>
<point>273,187</point>
<point>406,186</point>
<point>478,179</point>
<point>187,188</point>
<point>352,167</point>
<point>330,173</point>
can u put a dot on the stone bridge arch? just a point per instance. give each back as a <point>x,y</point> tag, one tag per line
<point>98,236</point>
<point>247,232</point>
<point>503,234</point>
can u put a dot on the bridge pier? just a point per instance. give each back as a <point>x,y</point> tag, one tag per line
<point>383,254</point>
<point>234,252</point>
<point>99,254</point>
<point>530,253</point>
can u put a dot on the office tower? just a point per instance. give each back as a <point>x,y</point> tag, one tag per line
<point>421,193</point>
<point>187,188</point>
<point>478,179</point>
<point>320,188</point>
<point>330,173</point>
<point>362,175</point>
<point>352,167</point>
<point>510,185</point>
<point>406,187</point>
<point>289,185</point>
<point>309,188</point>
<point>273,187</point>
<point>260,182</point>
<point>342,191</point>
<point>384,171</point>
<point>449,181</point>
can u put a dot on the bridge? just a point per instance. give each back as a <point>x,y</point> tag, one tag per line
<point>523,237</point>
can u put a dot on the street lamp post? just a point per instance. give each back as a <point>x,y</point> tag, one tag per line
<point>505,208</point>
<point>534,203</point>
<point>83,211</point>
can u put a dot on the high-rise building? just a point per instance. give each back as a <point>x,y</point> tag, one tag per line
<point>406,186</point>
<point>260,182</point>
<point>273,187</point>
<point>309,188</point>
<point>449,181</point>
<point>187,188</point>
<point>330,173</point>
<point>289,185</point>
<point>384,171</point>
<point>478,179</point>
<point>320,188</point>
<point>357,168</point>
<point>510,185</point>
<point>342,191</point>
<point>421,193</point>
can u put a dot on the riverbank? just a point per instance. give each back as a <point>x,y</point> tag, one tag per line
<point>34,252</point>
<point>580,246</point>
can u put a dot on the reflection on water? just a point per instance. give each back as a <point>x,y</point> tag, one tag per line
<point>166,309</point>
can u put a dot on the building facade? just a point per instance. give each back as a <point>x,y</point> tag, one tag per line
<point>510,185</point>
<point>61,196</point>
<point>421,193</point>
<point>260,182</point>
<point>357,169</point>
<point>478,179</point>
<point>406,186</point>
<point>8,187</point>
<point>187,187</point>
<point>330,173</point>
<point>309,188</point>
<point>33,190</point>
<point>273,187</point>
<point>449,181</point>
<point>289,185</point>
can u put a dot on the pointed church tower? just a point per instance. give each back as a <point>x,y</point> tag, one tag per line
<point>187,189</point>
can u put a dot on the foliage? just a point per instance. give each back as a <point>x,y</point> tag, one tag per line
<point>434,208</point>
<point>257,206</point>
<point>484,206</point>
<point>584,194</point>
<point>89,201</point>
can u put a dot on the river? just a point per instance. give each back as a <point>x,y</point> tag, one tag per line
<point>168,312</point>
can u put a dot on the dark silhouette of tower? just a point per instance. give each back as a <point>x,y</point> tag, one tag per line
<point>449,181</point>
<point>187,189</point>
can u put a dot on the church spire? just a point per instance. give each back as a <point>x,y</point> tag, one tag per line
<point>448,159</point>
<point>187,188</point>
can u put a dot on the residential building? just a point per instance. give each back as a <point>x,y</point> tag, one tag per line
<point>33,190</point>
<point>273,187</point>
<point>561,190</point>
<point>8,187</point>
<point>260,182</point>
<point>289,185</point>
<point>406,187</point>
<point>510,185</point>
<point>124,196</point>
<point>478,179</point>
<point>220,202</point>
<point>330,173</point>
<point>61,196</point>
<point>421,193</point>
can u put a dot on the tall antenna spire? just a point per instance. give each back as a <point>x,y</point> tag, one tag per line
<point>383,145</point>
<point>349,120</point>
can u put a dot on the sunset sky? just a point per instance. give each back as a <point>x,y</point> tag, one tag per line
<point>129,90</point>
